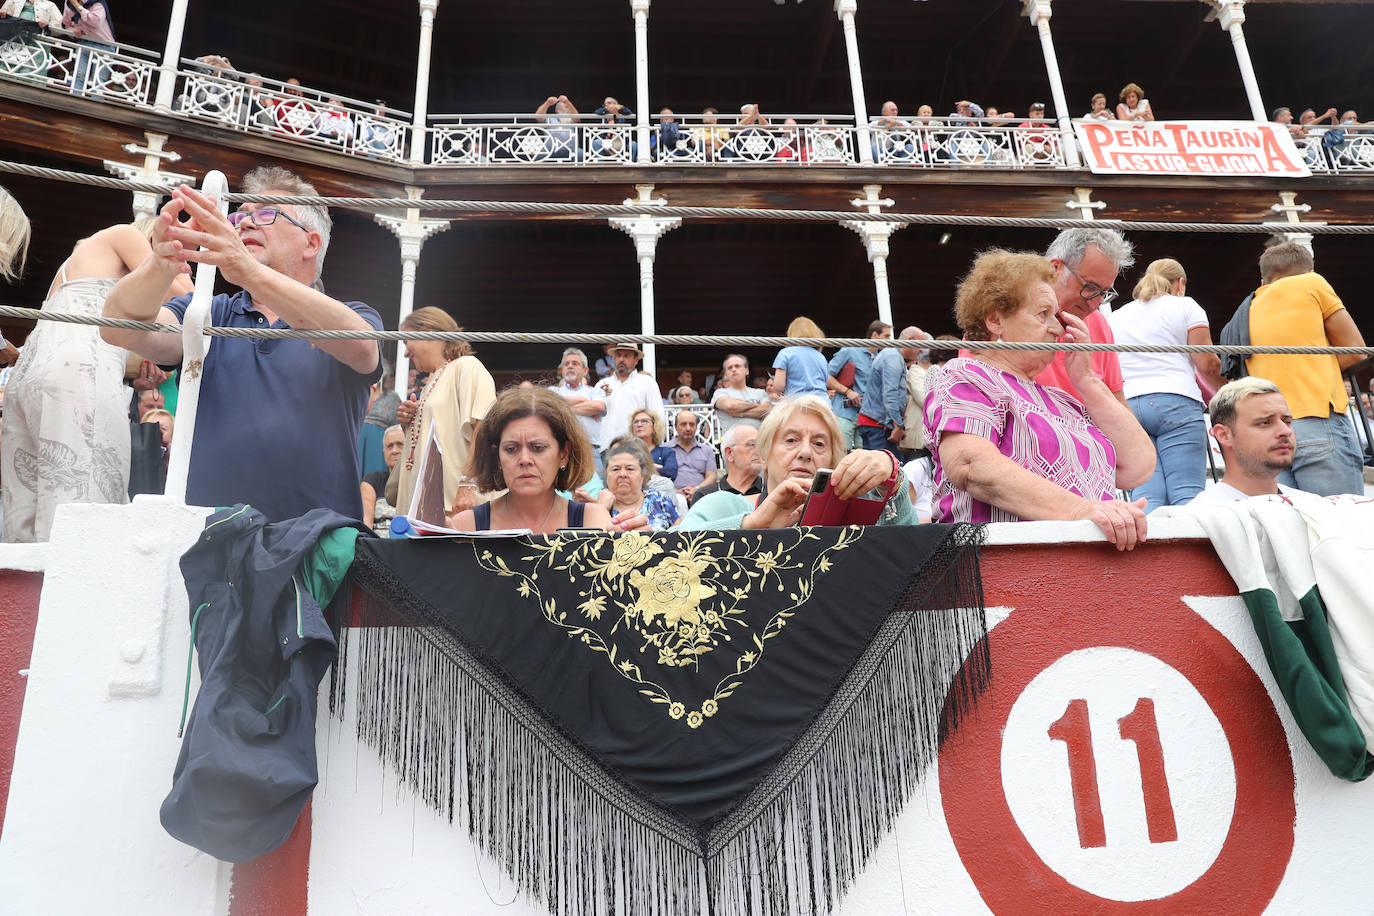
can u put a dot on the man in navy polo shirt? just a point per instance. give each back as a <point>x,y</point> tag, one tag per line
<point>278,419</point>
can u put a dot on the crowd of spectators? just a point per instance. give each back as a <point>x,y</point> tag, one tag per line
<point>989,434</point>
<point>1327,139</point>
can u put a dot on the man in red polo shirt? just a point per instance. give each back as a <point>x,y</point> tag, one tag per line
<point>1086,264</point>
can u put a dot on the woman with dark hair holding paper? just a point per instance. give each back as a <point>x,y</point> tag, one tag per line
<point>1009,449</point>
<point>530,444</point>
<point>799,437</point>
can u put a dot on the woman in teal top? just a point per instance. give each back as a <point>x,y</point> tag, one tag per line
<point>799,437</point>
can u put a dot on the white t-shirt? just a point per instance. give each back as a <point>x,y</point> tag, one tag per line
<point>918,474</point>
<point>1223,492</point>
<point>1163,320</point>
<point>624,398</point>
<point>591,425</point>
<point>727,422</point>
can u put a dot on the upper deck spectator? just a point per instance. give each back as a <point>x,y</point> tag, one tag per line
<point>1097,108</point>
<point>43,12</point>
<point>897,147</point>
<point>1133,106</point>
<point>671,139</point>
<point>562,136</point>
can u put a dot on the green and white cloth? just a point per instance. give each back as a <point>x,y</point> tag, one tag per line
<point>1301,563</point>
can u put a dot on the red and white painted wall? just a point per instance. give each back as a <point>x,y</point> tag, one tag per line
<point>1132,754</point>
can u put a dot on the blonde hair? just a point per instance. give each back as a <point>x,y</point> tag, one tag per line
<point>430,318</point>
<point>999,281</point>
<point>803,403</point>
<point>152,415</point>
<point>802,326</point>
<point>660,431</point>
<point>1159,279</point>
<point>14,237</point>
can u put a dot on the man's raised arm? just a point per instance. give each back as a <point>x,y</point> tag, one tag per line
<point>140,294</point>
<point>210,239</point>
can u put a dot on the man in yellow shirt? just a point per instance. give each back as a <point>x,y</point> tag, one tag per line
<point>1297,307</point>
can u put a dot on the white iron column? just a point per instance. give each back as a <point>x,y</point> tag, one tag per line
<point>146,203</point>
<point>846,9</point>
<point>1231,14</point>
<point>411,232</point>
<point>1039,12</point>
<point>646,231</point>
<point>171,57</point>
<point>417,131</point>
<point>875,236</point>
<point>640,8</point>
<point>1292,215</point>
<point>1082,202</point>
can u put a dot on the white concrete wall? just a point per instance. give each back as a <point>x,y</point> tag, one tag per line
<point>98,739</point>
<point>98,743</point>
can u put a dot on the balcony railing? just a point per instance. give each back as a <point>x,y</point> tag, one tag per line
<point>112,73</point>
<point>248,103</point>
<point>242,102</point>
<point>524,139</point>
<point>1353,153</point>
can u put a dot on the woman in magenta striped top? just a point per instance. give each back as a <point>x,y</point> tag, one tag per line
<point>1009,449</point>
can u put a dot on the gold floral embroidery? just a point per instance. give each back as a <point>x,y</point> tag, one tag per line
<point>670,609</point>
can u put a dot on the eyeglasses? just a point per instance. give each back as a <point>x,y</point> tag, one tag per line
<point>641,421</point>
<point>263,216</point>
<point>1090,291</point>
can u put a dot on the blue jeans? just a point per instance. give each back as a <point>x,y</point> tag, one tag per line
<point>1327,460</point>
<point>875,438</point>
<point>1174,424</point>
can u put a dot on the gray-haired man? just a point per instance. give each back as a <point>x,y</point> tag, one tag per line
<point>1086,264</point>
<point>587,401</point>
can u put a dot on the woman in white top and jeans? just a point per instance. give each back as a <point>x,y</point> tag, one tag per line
<point>1160,387</point>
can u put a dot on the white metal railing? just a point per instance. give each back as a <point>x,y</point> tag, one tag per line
<point>243,102</point>
<point>524,139</point>
<point>954,143</point>
<point>115,73</point>
<point>693,140</point>
<point>248,103</point>
<point>1352,152</point>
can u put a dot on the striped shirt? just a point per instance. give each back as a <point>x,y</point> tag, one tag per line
<point>1040,428</point>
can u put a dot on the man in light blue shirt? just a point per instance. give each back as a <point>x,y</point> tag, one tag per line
<point>845,399</point>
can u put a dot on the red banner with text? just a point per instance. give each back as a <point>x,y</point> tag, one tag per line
<point>1190,148</point>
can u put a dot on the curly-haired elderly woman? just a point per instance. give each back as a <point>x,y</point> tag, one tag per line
<point>800,436</point>
<point>1008,449</point>
<point>530,444</point>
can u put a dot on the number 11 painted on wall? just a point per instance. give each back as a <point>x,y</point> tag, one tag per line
<point>1139,726</point>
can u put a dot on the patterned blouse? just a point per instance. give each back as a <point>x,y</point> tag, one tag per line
<point>659,510</point>
<point>1045,430</point>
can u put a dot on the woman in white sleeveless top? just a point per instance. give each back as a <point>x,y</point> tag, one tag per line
<point>65,433</point>
<point>1162,388</point>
